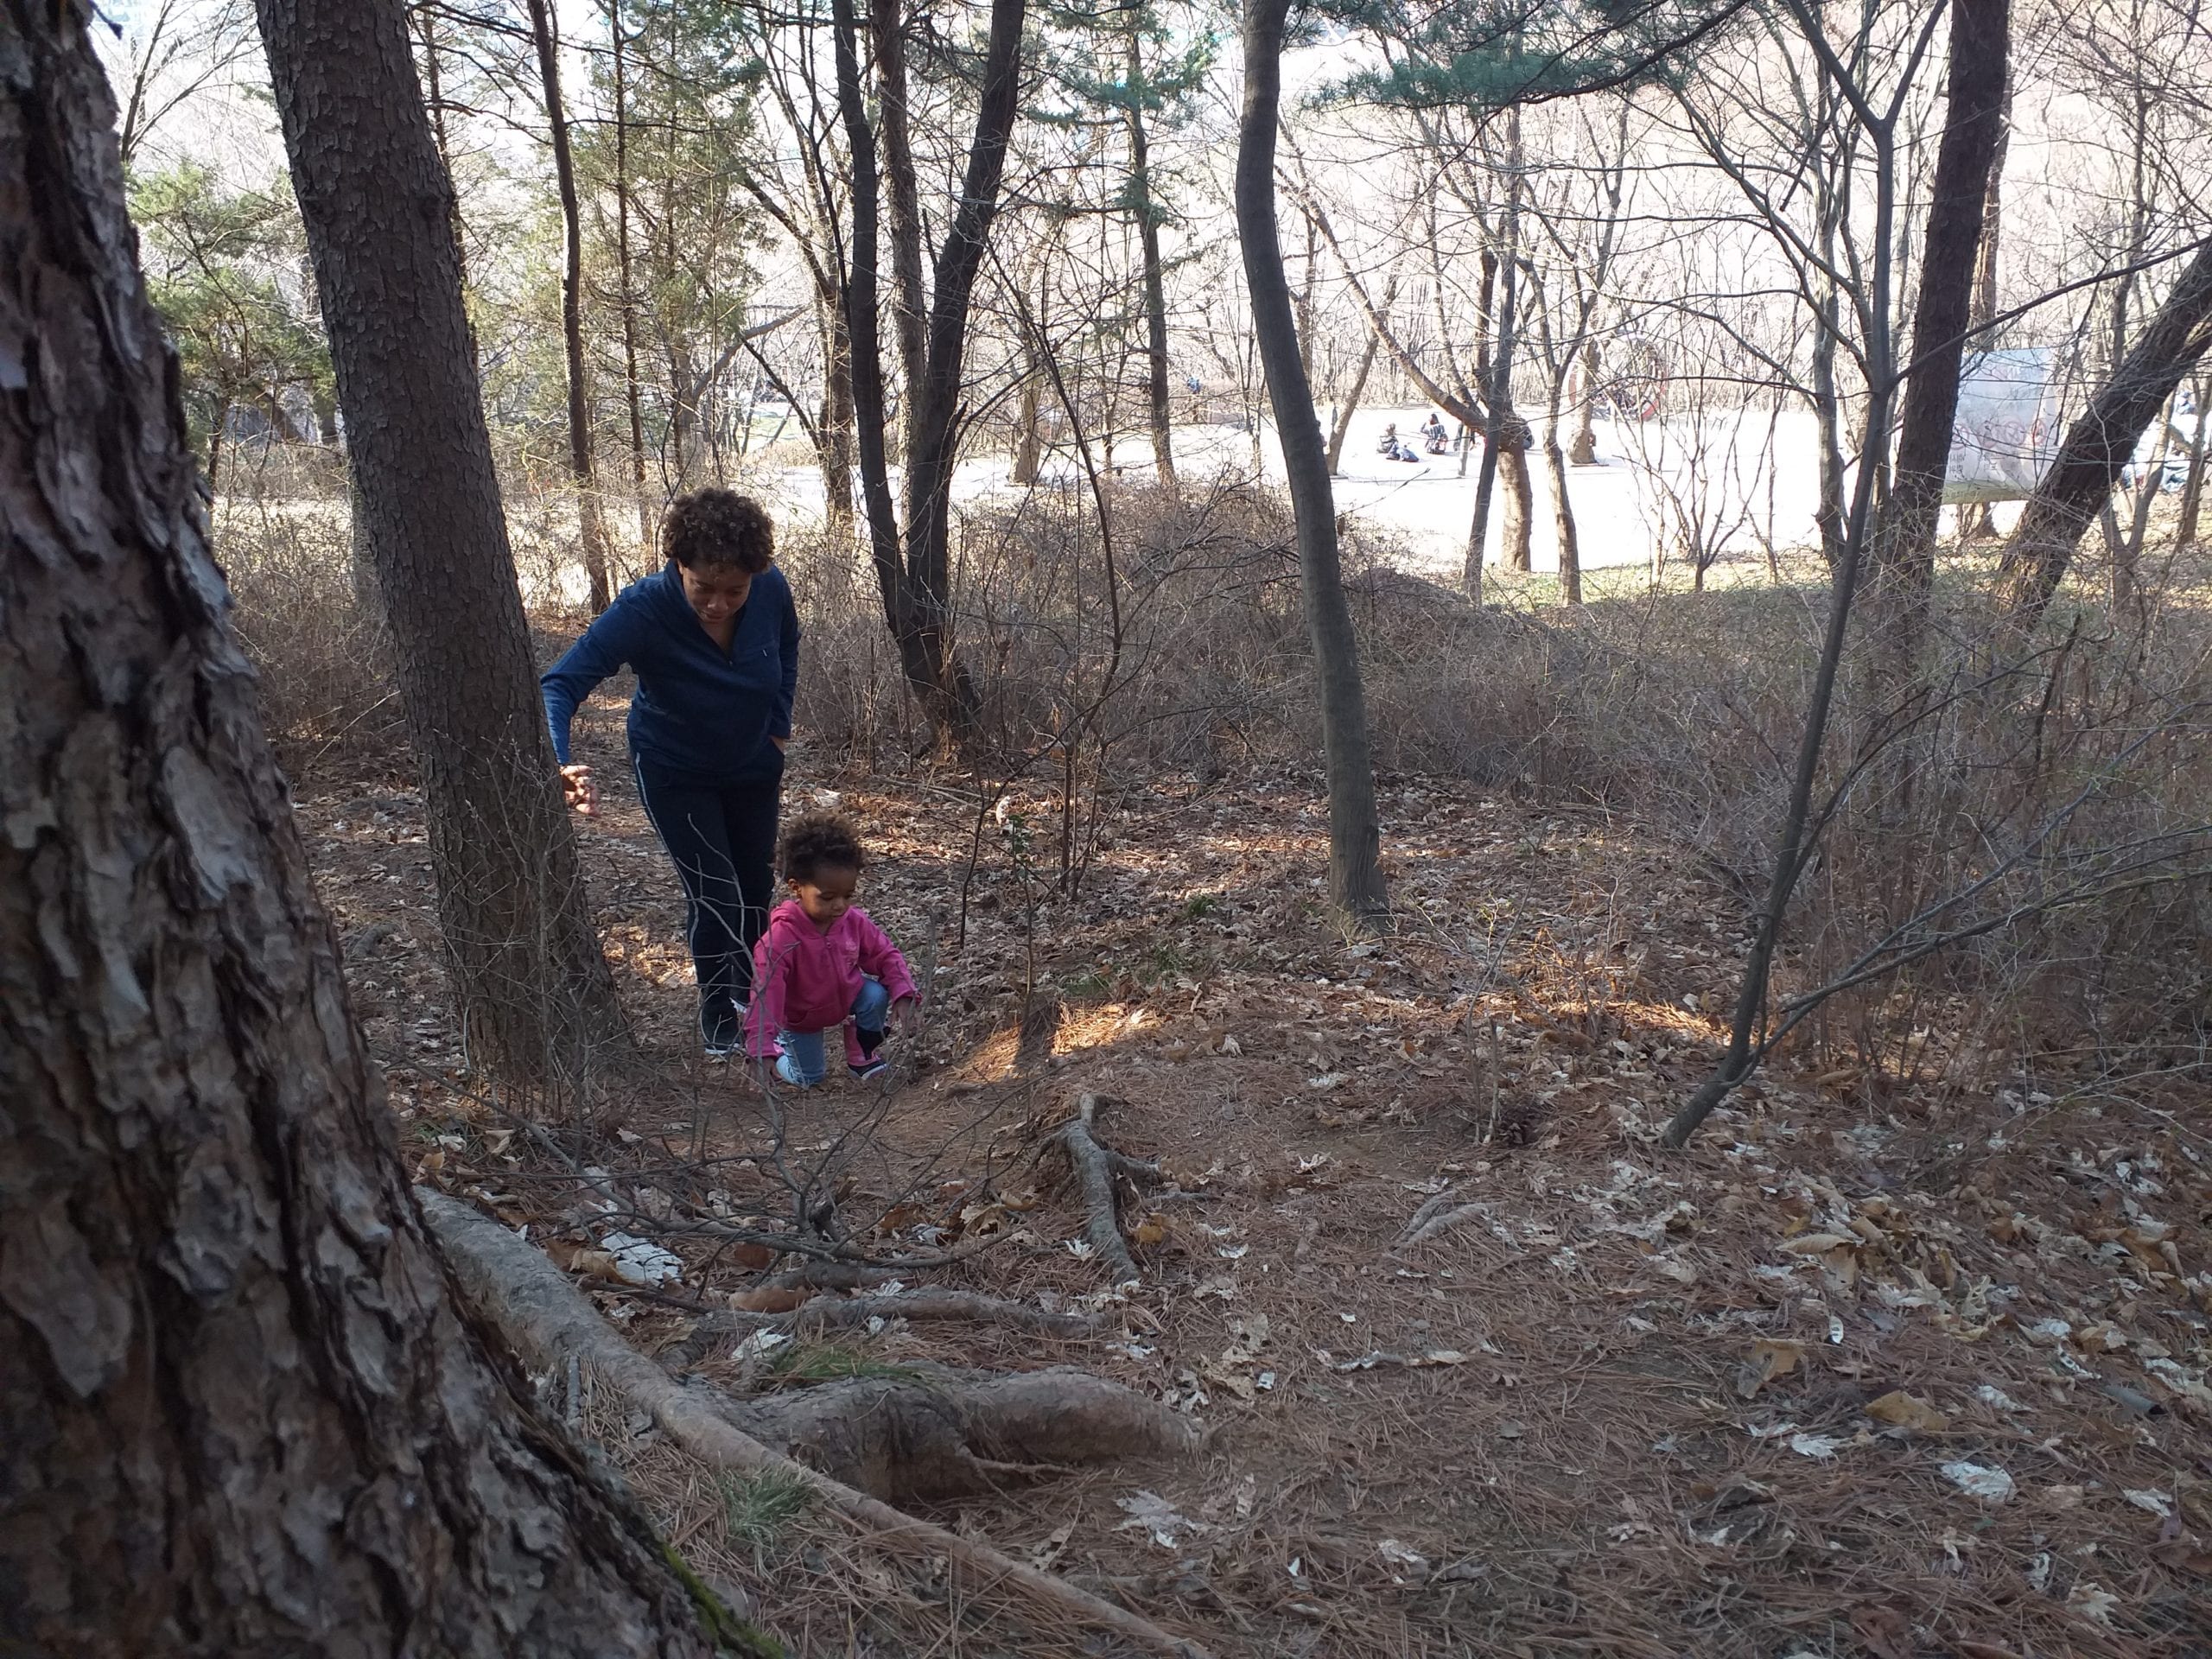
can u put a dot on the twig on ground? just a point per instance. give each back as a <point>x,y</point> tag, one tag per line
<point>828,1312</point>
<point>1434,1218</point>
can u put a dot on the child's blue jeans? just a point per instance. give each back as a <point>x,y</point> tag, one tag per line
<point>805,1055</point>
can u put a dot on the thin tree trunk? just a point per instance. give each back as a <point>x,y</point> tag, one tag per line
<point>529,978</point>
<point>1584,452</point>
<point>1487,474</point>
<point>632,393</point>
<point>2192,488</point>
<point>2098,447</point>
<point>1342,429</point>
<point>1976,520</point>
<point>836,426</point>
<point>914,571</point>
<point>245,1412</point>
<point>433,75</point>
<point>1356,883</point>
<point>1155,284</point>
<point>903,211</point>
<point>1520,493</point>
<point>572,307</point>
<point>1904,552</point>
<point>1028,453</point>
<point>1570,541</point>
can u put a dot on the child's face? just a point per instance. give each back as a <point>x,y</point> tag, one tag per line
<point>825,895</point>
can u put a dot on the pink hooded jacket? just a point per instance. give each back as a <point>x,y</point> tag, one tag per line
<point>805,980</point>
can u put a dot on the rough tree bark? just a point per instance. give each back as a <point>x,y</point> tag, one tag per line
<point>2081,478</point>
<point>1355,884</point>
<point>528,974</point>
<point>244,1413</point>
<point>572,307</point>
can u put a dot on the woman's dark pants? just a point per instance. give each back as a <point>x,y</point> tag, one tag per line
<point>722,839</point>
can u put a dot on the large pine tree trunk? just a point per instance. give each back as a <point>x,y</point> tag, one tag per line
<point>592,531</point>
<point>244,1411</point>
<point>527,970</point>
<point>1355,837</point>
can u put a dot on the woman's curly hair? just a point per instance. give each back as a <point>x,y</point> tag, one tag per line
<point>820,840</point>
<point>718,526</point>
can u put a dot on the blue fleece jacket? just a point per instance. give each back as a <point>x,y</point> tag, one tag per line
<point>699,710</point>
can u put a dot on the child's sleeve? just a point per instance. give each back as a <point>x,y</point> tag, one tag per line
<point>880,960</point>
<point>764,1019</point>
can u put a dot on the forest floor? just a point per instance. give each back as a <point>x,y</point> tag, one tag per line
<point>1873,1367</point>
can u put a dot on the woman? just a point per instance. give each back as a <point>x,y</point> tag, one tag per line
<point>714,639</point>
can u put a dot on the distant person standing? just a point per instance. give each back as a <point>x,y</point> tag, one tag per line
<point>714,639</point>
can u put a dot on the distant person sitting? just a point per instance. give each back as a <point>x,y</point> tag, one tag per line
<point>1392,448</point>
<point>1432,435</point>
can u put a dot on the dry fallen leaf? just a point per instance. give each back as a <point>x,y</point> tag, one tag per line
<point>1908,1411</point>
<point>1768,1360</point>
<point>1884,1631</point>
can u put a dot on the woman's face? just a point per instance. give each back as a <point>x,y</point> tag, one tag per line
<point>717,592</point>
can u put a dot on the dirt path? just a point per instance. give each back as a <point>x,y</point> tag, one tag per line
<point>1734,1402</point>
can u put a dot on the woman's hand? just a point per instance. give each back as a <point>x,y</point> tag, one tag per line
<point>781,743</point>
<point>583,794</point>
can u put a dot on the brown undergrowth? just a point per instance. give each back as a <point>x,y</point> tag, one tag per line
<point>1739,1401</point>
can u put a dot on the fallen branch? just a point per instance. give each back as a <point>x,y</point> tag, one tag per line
<point>828,1312</point>
<point>546,1319</point>
<point>1434,1217</point>
<point>1094,1166</point>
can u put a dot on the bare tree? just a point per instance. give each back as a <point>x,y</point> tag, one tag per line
<point>912,563</point>
<point>1356,885</point>
<point>544,35</point>
<point>2080,479</point>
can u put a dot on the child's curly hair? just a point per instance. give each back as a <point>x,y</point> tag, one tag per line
<point>818,842</point>
<point>716,526</point>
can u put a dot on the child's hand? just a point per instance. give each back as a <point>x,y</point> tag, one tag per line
<point>581,793</point>
<point>906,1016</point>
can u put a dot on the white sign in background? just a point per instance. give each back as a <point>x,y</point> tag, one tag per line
<point>2007,427</point>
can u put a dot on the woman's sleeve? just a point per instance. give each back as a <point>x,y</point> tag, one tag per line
<point>779,718</point>
<point>880,960</point>
<point>605,645</point>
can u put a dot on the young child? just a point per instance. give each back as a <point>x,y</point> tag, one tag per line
<point>823,962</point>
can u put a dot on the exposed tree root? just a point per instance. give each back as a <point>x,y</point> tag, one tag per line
<point>1096,1165</point>
<point>547,1321</point>
<point>930,1432</point>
